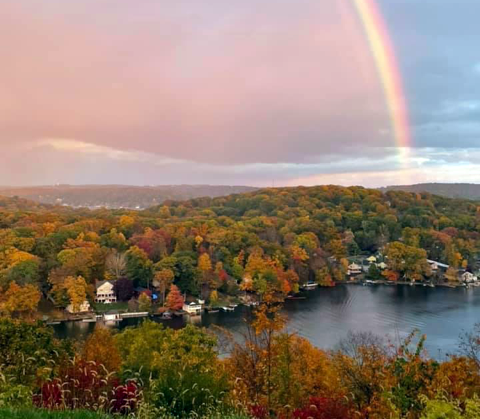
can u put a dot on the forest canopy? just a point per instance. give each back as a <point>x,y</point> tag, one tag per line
<point>268,239</point>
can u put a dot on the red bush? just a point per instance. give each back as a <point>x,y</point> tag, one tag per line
<point>124,398</point>
<point>323,408</point>
<point>258,412</point>
<point>86,385</point>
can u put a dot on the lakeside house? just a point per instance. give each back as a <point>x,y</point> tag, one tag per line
<point>468,277</point>
<point>382,266</point>
<point>193,308</point>
<point>354,269</point>
<point>105,292</point>
<point>83,308</point>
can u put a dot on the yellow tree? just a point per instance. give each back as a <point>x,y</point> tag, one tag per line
<point>256,264</point>
<point>164,278</point>
<point>102,349</point>
<point>21,300</point>
<point>76,290</point>
<point>451,274</point>
<point>205,267</point>
<point>204,263</point>
<point>247,283</point>
<point>198,241</point>
<point>126,221</point>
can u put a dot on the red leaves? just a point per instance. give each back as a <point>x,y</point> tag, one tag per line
<point>86,385</point>
<point>258,412</point>
<point>323,408</point>
<point>125,398</point>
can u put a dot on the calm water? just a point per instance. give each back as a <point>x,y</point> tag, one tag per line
<point>328,314</point>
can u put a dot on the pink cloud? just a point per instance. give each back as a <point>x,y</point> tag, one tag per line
<point>216,82</point>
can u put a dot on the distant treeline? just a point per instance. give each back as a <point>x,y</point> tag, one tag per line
<point>449,190</point>
<point>118,196</point>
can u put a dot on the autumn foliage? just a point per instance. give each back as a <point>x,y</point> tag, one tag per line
<point>257,247</point>
<point>174,299</point>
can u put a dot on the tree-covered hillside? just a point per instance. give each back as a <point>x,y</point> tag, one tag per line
<point>450,190</point>
<point>210,247</point>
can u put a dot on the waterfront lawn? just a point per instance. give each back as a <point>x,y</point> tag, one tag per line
<point>103,308</point>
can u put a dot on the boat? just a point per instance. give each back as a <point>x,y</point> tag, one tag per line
<point>212,310</point>
<point>227,308</point>
<point>296,297</point>
<point>310,286</point>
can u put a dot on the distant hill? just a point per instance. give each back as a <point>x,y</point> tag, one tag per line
<point>20,204</point>
<point>449,190</point>
<point>118,196</point>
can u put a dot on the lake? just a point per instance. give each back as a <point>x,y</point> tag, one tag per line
<point>329,314</point>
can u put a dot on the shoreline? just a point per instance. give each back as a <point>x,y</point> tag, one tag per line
<point>412,284</point>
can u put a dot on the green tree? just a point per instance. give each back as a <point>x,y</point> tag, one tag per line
<point>183,365</point>
<point>144,302</point>
<point>139,267</point>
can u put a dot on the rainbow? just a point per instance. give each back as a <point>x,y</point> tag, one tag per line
<point>386,62</point>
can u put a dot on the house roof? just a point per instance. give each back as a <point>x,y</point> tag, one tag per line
<point>442,265</point>
<point>98,284</point>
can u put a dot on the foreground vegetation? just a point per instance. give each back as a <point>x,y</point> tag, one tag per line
<point>154,372</point>
<point>46,414</point>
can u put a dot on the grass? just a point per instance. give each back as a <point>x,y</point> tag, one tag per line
<point>46,414</point>
<point>103,308</point>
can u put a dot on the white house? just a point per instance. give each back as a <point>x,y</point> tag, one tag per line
<point>83,308</point>
<point>468,277</point>
<point>354,269</point>
<point>382,265</point>
<point>193,308</point>
<point>105,292</point>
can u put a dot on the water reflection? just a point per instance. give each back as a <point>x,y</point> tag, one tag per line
<point>328,314</point>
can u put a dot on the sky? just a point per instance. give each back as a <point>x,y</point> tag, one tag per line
<point>239,92</point>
